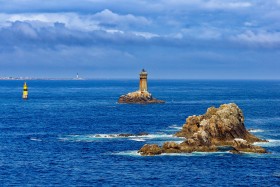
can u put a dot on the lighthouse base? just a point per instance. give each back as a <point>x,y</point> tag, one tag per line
<point>139,97</point>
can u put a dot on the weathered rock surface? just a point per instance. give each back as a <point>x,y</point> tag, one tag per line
<point>241,145</point>
<point>150,150</point>
<point>223,126</point>
<point>139,97</point>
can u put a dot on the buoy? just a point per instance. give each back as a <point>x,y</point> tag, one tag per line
<point>25,91</point>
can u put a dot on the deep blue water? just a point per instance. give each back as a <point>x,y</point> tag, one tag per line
<point>50,139</point>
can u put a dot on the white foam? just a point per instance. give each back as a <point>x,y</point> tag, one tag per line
<point>198,154</point>
<point>35,139</point>
<point>175,127</point>
<point>270,143</point>
<point>138,139</point>
<point>195,154</point>
<point>95,137</point>
<point>259,155</point>
<point>264,120</point>
<point>128,153</point>
<point>153,136</point>
<point>276,174</point>
<point>256,130</point>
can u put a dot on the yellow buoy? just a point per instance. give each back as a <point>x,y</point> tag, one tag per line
<point>25,91</point>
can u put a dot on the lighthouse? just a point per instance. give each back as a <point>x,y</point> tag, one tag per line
<point>141,96</point>
<point>143,81</point>
<point>25,91</point>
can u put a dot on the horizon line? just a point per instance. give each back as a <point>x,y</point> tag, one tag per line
<point>176,79</point>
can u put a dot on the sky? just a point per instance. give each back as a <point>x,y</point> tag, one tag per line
<point>111,39</point>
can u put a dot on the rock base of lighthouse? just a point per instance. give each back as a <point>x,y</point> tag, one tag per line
<point>139,97</point>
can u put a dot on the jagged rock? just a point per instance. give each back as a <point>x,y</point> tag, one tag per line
<point>139,97</point>
<point>150,150</point>
<point>241,145</point>
<point>142,134</point>
<point>223,126</point>
<point>220,125</point>
<point>125,135</point>
<point>185,147</point>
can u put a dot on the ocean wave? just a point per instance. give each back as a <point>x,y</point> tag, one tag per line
<point>256,130</point>
<point>175,127</point>
<point>135,153</point>
<point>128,153</point>
<point>96,137</point>
<point>259,155</point>
<point>223,101</point>
<point>263,120</point>
<point>35,139</point>
<point>270,143</point>
<point>138,139</point>
<point>276,174</point>
<point>219,153</point>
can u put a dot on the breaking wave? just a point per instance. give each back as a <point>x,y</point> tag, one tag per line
<point>35,139</point>
<point>270,143</point>
<point>138,139</point>
<point>195,154</point>
<point>99,137</point>
<point>255,130</point>
<point>176,127</point>
<point>128,153</point>
<point>263,120</point>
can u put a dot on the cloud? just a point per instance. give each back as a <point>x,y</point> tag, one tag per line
<point>218,4</point>
<point>262,38</point>
<point>204,32</point>
<point>107,17</point>
<point>39,20</point>
<point>205,4</point>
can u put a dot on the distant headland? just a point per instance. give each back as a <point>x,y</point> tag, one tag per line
<point>37,78</point>
<point>142,96</point>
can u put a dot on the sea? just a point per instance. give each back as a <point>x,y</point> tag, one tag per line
<point>65,134</point>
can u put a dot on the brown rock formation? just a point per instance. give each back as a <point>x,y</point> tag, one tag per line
<point>150,150</point>
<point>217,127</point>
<point>241,145</point>
<point>220,125</point>
<point>139,98</point>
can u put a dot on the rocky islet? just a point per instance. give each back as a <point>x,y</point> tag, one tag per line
<point>223,126</point>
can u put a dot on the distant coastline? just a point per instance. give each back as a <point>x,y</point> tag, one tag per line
<point>31,78</point>
<point>152,79</point>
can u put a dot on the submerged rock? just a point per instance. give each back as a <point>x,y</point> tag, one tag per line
<point>132,135</point>
<point>223,126</point>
